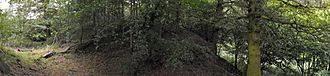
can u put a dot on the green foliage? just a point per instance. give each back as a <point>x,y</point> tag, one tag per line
<point>6,29</point>
<point>300,32</point>
<point>39,33</point>
<point>198,3</point>
<point>295,35</point>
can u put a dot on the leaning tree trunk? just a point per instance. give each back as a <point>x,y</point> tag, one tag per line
<point>254,40</point>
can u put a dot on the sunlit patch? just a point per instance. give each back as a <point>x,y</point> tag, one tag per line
<point>4,5</point>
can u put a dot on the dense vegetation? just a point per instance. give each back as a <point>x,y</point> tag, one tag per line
<point>258,37</point>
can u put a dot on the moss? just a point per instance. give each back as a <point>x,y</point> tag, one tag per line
<point>7,51</point>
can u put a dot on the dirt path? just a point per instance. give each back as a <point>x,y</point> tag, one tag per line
<point>66,65</point>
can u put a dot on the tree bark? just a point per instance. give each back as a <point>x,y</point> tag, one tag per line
<point>214,31</point>
<point>254,41</point>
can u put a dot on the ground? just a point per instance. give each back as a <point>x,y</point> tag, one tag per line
<point>24,63</point>
<point>113,62</point>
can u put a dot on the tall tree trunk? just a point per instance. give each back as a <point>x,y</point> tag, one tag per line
<point>329,65</point>
<point>303,66</point>
<point>81,35</point>
<point>215,32</point>
<point>237,47</point>
<point>122,8</point>
<point>254,41</point>
<point>219,8</point>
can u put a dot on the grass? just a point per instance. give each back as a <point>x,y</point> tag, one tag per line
<point>62,63</point>
<point>24,57</point>
<point>29,57</point>
<point>32,62</point>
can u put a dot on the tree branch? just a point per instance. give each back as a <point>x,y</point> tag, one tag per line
<point>299,4</point>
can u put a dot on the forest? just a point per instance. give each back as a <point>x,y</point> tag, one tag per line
<point>164,37</point>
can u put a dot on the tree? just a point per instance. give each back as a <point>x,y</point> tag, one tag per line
<point>254,39</point>
<point>258,36</point>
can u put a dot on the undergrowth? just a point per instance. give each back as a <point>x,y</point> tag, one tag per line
<point>32,57</point>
